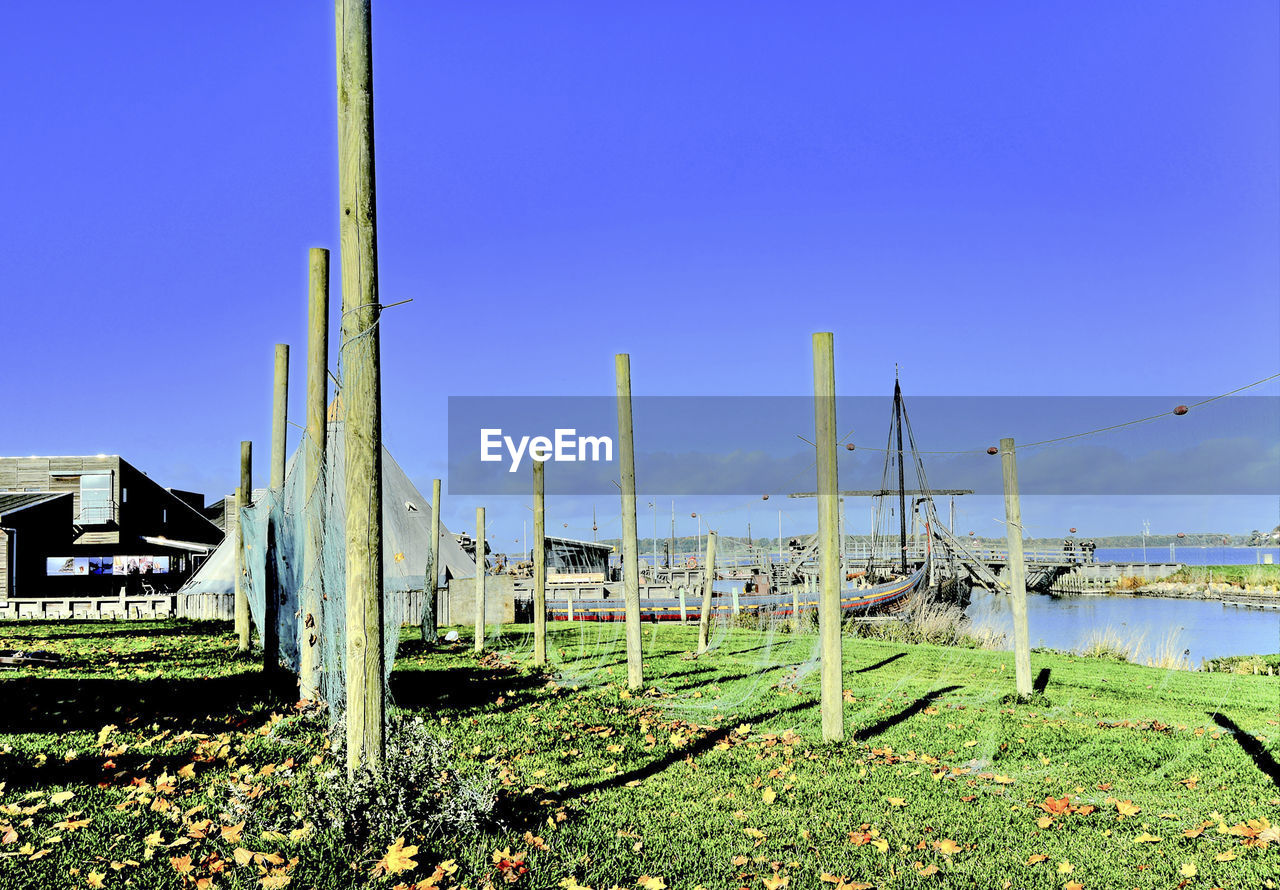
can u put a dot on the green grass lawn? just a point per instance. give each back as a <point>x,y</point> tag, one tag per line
<point>1239,576</point>
<point>153,758</point>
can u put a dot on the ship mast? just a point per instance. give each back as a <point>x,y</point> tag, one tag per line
<point>902,485</point>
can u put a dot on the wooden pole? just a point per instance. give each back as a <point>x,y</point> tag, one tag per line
<point>684,605</point>
<point>279,417</point>
<point>279,438</point>
<point>630,547</point>
<point>824,407</point>
<point>432,576</point>
<point>795,608</point>
<point>317,436</point>
<point>361,387</point>
<point>539,563</point>
<point>709,579</point>
<point>244,498</point>
<point>480,571</point>
<point>1017,569</point>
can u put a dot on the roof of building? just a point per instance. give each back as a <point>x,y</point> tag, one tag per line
<point>589,545</point>
<point>13,501</point>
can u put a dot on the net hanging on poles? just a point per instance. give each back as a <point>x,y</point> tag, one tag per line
<point>276,530</point>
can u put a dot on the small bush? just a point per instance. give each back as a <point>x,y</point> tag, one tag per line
<point>422,792</point>
<point>1131,582</point>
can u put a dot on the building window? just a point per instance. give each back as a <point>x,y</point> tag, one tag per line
<point>96,506</point>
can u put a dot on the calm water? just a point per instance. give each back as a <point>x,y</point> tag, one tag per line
<point>1209,629</point>
<point>1192,556</point>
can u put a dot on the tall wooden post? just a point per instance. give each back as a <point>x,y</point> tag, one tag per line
<point>244,498</point>
<point>279,437</point>
<point>539,563</point>
<point>314,456</point>
<point>432,577</point>
<point>824,409</point>
<point>480,573</point>
<point>1017,569</point>
<point>630,546</point>
<point>361,387</point>
<point>279,417</point>
<point>795,609</point>
<point>708,581</point>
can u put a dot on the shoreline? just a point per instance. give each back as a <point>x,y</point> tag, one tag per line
<point>1264,596</point>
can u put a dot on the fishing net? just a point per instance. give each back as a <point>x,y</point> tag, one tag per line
<point>295,552</point>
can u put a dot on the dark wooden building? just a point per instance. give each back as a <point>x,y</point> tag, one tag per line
<point>95,526</point>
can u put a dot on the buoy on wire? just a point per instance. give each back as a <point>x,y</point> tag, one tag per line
<point>1073,531</point>
<point>993,450</point>
<point>764,497</point>
<point>849,447</point>
<point>1181,410</point>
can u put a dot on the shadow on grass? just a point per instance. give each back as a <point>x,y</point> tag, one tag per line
<point>1042,681</point>
<point>59,704</point>
<point>657,765</point>
<point>462,689</point>
<point>58,629</point>
<point>906,713</point>
<point>1261,756</point>
<point>879,664</point>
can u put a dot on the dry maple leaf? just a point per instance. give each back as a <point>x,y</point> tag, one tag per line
<point>947,847</point>
<point>1187,870</point>
<point>181,864</point>
<point>1146,838</point>
<point>275,880</point>
<point>94,878</point>
<point>1065,867</point>
<point>1073,885</point>
<point>930,869</point>
<point>398,858</point>
<point>1127,808</point>
<point>1056,806</point>
<point>769,795</point>
<point>1225,856</point>
<point>777,882</point>
<point>896,802</point>
<point>61,797</point>
<point>655,883</point>
<point>1035,858</point>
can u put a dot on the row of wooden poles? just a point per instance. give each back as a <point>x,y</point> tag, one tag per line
<point>830,612</point>
<point>361,401</point>
<point>361,404</point>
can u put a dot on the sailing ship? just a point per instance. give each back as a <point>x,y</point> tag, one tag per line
<point>778,588</point>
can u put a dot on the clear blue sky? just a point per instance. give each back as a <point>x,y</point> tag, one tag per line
<point>1005,198</point>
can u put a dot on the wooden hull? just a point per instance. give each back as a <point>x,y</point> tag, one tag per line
<point>775,604</point>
